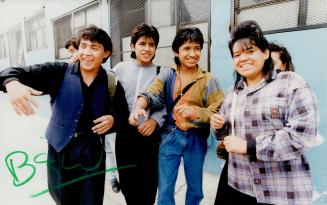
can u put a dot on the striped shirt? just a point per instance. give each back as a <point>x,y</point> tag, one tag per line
<point>280,115</point>
<point>205,95</point>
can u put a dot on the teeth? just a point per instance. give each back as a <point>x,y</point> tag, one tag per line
<point>245,65</point>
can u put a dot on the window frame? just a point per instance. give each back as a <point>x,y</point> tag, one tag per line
<point>3,55</point>
<point>175,23</point>
<point>32,32</point>
<point>302,16</point>
<point>73,30</point>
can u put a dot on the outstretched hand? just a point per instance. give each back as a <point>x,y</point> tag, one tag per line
<point>20,97</point>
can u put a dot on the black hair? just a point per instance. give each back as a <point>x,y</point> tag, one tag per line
<point>252,31</point>
<point>285,56</point>
<point>144,30</point>
<point>71,42</point>
<point>184,35</point>
<point>95,34</point>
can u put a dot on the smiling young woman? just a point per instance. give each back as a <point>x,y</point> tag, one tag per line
<point>268,119</point>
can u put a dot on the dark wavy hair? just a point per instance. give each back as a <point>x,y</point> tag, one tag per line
<point>184,35</point>
<point>285,56</point>
<point>95,34</point>
<point>71,42</point>
<point>144,30</point>
<point>252,31</point>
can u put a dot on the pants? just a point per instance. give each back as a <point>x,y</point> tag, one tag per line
<point>69,172</point>
<point>138,184</point>
<point>227,195</point>
<point>192,147</point>
<point>111,158</point>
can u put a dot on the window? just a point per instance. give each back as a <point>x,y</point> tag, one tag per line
<point>167,15</point>
<point>68,26</point>
<point>35,31</point>
<point>15,43</point>
<point>3,53</point>
<point>193,11</point>
<point>62,32</point>
<point>85,17</point>
<point>278,15</point>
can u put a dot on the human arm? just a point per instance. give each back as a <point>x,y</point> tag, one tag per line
<point>45,77</point>
<point>299,128</point>
<point>138,111</point>
<point>119,109</point>
<point>214,99</point>
<point>155,93</point>
<point>23,83</point>
<point>20,97</point>
<point>156,120</point>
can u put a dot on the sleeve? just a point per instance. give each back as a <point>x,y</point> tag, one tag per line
<point>299,130</point>
<point>45,77</point>
<point>218,133</point>
<point>119,109</point>
<point>159,117</point>
<point>155,93</point>
<point>215,98</point>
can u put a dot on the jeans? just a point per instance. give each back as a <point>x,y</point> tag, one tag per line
<point>192,147</point>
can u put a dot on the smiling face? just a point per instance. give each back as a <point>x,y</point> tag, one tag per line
<point>189,54</point>
<point>144,49</point>
<point>91,55</point>
<point>249,60</point>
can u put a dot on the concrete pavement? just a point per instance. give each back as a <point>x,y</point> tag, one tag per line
<point>22,139</point>
<point>210,184</point>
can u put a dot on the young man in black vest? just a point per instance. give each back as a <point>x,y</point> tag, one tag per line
<point>82,113</point>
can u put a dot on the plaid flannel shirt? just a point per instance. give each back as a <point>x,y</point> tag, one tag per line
<point>280,116</point>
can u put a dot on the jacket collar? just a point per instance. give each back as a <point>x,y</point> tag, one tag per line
<point>267,79</point>
<point>76,70</point>
<point>200,73</point>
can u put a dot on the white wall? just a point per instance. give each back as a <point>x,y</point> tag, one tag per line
<point>53,10</point>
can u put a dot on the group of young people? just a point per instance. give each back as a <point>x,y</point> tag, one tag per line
<point>163,115</point>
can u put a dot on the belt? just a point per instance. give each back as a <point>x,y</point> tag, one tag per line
<point>79,134</point>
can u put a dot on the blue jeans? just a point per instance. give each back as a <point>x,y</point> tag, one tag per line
<point>175,144</point>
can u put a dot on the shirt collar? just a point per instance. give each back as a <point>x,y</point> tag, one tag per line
<point>267,79</point>
<point>76,70</point>
<point>200,73</point>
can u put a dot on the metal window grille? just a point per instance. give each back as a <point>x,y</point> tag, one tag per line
<point>35,32</point>
<point>3,53</point>
<point>68,26</point>
<point>281,15</point>
<point>167,15</point>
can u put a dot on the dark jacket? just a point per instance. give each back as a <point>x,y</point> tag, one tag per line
<point>63,84</point>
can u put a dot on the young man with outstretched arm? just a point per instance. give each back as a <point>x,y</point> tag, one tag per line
<point>82,113</point>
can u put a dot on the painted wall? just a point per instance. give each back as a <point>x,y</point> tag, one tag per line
<point>53,10</point>
<point>309,52</point>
